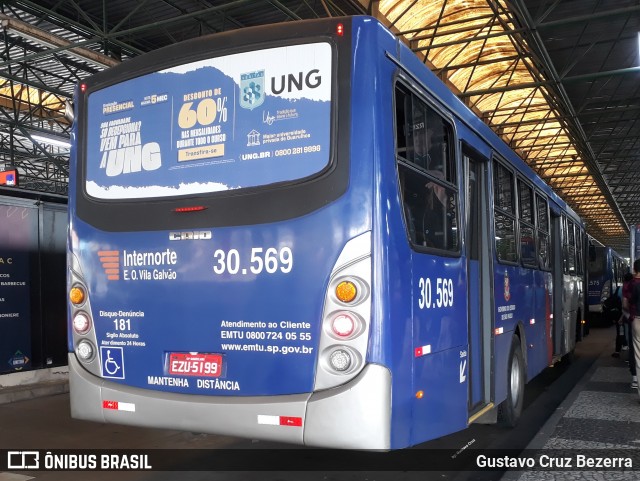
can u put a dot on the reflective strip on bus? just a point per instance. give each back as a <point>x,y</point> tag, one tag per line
<point>279,420</point>
<point>119,406</point>
<point>423,350</point>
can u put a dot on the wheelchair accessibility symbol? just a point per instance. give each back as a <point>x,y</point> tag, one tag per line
<point>112,362</point>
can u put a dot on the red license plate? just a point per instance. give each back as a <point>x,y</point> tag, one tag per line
<point>186,364</point>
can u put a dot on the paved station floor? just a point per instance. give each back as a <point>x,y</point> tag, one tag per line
<point>599,420</point>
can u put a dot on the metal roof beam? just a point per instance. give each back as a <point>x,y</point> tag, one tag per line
<point>472,39</point>
<point>442,30</point>
<point>598,75</point>
<point>577,130</point>
<point>507,88</point>
<point>618,12</point>
<point>37,85</point>
<point>78,28</point>
<point>487,16</point>
<point>46,38</point>
<point>289,13</point>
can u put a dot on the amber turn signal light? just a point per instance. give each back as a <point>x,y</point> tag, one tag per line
<point>346,291</point>
<point>76,295</point>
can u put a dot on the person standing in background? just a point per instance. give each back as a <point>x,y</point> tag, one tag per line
<point>626,319</point>
<point>619,318</point>
<point>630,300</point>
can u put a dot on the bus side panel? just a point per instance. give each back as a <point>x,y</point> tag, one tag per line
<point>437,348</point>
<point>476,369</point>
<point>522,302</point>
<point>600,271</point>
<point>391,329</point>
<point>571,297</point>
<point>411,282</point>
<point>535,325</point>
<point>440,347</point>
<point>501,347</point>
<point>394,307</point>
<point>513,309</point>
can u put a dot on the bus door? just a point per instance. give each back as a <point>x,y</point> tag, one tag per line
<point>558,283</point>
<point>479,280</point>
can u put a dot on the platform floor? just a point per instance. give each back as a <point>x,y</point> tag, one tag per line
<point>600,417</point>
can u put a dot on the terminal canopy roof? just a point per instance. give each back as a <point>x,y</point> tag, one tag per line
<point>558,80</point>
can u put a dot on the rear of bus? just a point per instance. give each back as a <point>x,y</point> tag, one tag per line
<point>220,273</point>
<point>600,278</point>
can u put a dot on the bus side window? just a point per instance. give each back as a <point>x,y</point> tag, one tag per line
<point>527,221</point>
<point>411,223</point>
<point>542,218</point>
<point>579,250</point>
<point>504,214</point>
<point>404,137</point>
<point>408,206</point>
<point>568,246</point>
<point>427,174</point>
<point>430,211</point>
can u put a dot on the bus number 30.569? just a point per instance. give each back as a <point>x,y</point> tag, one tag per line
<point>443,293</point>
<point>270,260</point>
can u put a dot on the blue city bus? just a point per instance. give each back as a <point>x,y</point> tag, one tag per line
<point>605,271</point>
<point>297,233</point>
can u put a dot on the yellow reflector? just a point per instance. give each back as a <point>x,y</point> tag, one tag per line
<point>76,295</point>
<point>419,394</point>
<point>346,291</point>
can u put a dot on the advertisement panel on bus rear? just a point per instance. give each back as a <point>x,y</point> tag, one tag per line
<point>244,120</point>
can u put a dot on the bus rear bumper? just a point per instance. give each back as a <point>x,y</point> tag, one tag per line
<point>356,415</point>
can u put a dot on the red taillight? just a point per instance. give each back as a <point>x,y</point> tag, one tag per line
<point>340,29</point>
<point>81,323</point>
<point>343,325</point>
<point>193,208</point>
<point>83,87</point>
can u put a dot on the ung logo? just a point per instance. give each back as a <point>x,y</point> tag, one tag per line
<point>134,158</point>
<point>310,80</point>
<point>123,151</point>
<point>252,89</point>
